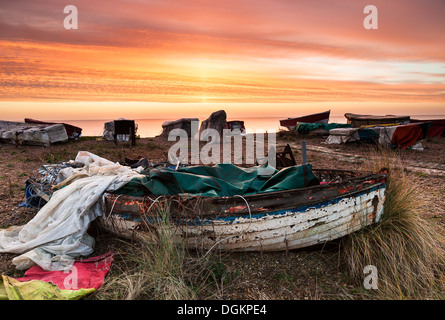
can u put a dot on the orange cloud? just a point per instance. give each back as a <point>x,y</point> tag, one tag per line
<point>261,51</point>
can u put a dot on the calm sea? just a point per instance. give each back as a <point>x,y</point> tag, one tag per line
<point>153,127</point>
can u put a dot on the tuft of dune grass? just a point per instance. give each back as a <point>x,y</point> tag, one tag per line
<point>158,267</point>
<point>407,250</point>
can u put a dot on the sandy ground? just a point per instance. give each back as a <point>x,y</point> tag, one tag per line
<point>311,273</point>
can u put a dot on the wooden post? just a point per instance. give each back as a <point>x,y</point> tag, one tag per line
<point>303,150</point>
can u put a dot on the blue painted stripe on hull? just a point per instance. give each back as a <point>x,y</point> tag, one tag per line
<point>232,219</point>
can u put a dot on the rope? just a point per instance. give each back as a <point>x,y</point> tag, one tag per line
<point>112,207</point>
<point>248,207</point>
<point>226,238</point>
<point>153,202</point>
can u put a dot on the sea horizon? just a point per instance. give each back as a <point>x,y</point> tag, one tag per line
<point>152,127</point>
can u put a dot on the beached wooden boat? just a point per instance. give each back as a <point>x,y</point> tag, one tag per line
<point>358,120</point>
<point>437,128</point>
<point>73,132</point>
<point>236,125</point>
<point>183,123</point>
<point>290,123</point>
<point>343,202</point>
<point>32,134</point>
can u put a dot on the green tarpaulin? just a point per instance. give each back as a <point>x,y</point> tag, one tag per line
<point>218,181</point>
<point>304,128</point>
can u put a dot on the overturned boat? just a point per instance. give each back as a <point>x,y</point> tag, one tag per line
<point>358,120</point>
<point>437,128</point>
<point>72,131</point>
<point>183,124</point>
<point>236,126</point>
<point>322,117</point>
<point>295,207</point>
<point>122,129</point>
<point>393,136</point>
<point>32,134</point>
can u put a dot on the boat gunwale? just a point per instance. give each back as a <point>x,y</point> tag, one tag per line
<point>208,220</point>
<point>376,180</point>
<point>304,208</point>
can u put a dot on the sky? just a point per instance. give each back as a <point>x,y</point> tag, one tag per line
<point>175,58</point>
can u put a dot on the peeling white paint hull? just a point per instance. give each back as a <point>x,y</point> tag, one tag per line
<point>290,230</point>
<point>275,231</point>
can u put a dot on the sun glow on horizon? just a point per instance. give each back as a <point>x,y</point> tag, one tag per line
<point>100,110</point>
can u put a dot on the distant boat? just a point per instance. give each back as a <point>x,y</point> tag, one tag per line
<point>73,132</point>
<point>32,133</point>
<point>322,117</point>
<point>437,128</point>
<point>236,125</point>
<point>358,120</point>
<point>183,123</point>
<point>130,128</point>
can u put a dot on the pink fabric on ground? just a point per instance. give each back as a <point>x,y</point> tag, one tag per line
<point>85,274</point>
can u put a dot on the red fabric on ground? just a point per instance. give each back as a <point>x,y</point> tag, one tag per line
<point>406,135</point>
<point>85,274</point>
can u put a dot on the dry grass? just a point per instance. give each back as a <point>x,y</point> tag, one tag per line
<point>407,250</point>
<point>157,267</point>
